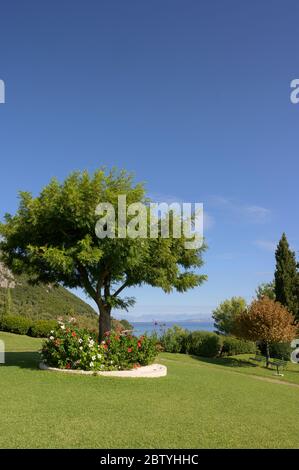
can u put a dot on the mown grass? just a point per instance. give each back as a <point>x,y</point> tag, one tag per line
<point>199,404</point>
<point>243,364</point>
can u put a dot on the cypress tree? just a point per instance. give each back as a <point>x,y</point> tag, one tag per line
<point>286,277</point>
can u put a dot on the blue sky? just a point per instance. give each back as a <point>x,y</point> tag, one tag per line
<point>193,96</point>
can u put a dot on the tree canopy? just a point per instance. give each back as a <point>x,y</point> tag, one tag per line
<point>52,239</point>
<point>266,289</point>
<point>286,277</point>
<point>268,321</point>
<point>225,314</point>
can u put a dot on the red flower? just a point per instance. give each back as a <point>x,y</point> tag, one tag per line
<point>107,333</point>
<point>68,365</point>
<point>73,334</point>
<point>139,344</point>
<point>105,346</point>
<point>129,350</point>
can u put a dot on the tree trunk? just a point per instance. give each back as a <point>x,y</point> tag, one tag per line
<point>104,321</point>
<point>267,354</point>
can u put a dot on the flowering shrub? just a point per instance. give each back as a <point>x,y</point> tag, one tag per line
<point>126,351</point>
<point>69,347</point>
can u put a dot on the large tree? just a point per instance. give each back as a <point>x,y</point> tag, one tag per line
<point>52,238</point>
<point>225,314</point>
<point>268,321</point>
<point>286,277</point>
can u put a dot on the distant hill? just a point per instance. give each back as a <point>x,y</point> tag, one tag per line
<point>18,297</point>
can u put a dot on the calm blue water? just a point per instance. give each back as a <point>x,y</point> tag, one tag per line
<point>150,327</point>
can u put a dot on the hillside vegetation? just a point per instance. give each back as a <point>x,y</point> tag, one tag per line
<point>45,302</point>
<point>41,302</point>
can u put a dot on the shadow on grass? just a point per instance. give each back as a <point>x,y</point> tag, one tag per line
<point>226,361</point>
<point>22,359</point>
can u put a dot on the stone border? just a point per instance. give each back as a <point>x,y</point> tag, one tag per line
<point>152,371</point>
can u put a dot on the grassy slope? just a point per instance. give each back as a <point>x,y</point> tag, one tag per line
<point>199,404</point>
<point>42,301</point>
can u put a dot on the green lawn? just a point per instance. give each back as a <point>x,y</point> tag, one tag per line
<point>201,404</point>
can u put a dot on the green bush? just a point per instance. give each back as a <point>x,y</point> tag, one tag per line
<point>15,324</point>
<point>203,343</point>
<point>42,328</point>
<point>232,346</point>
<point>174,340</point>
<point>70,347</point>
<point>278,350</point>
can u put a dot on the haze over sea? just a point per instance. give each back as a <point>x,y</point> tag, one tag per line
<point>150,327</point>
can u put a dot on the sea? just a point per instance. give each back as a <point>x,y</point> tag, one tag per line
<point>141,328</point>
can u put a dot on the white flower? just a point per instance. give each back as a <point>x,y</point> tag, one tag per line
<point>52,331</point>
<point>62,327</point>
<point>91,342</point>
<point>111,362</point>
<point>51,338</point>
<point>91,364</point>
<point>81,347</point>
<point>93,358</point>
<point>80,340</point>
<point>99,356</point>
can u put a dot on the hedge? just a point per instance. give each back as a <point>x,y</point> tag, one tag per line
<point>25,326</point>
<point>232,346</point>
<point>42,328</point>
<point>204,343</point>
<point>278,350</point>
<point>15,324</point>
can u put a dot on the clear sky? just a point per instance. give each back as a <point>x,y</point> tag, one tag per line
<point>191,95</point>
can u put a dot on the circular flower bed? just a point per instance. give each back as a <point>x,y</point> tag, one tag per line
<point>69,347</point>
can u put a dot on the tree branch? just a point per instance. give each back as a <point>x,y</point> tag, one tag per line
<point>121,288</point>
<point>87,284</point>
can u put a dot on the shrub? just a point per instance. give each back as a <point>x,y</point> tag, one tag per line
<point>15,324</point>
<point>126,351</point>
<point>42,328</point>
<point>174,340</point>
<point>232,346</point>
<point>73,348</point>
<point>278,350</point>
<point>203,343</point>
